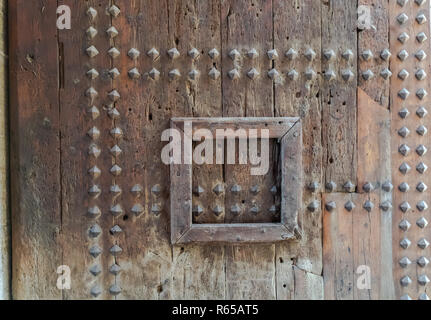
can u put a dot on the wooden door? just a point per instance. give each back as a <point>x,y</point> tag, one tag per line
<point>90,104</point>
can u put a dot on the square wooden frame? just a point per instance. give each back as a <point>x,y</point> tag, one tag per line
<point>289,133</point>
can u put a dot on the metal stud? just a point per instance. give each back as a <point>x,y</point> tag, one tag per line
<point>117,133</point>
<point>273,210</point>
<point>94,133</point>
<point>115,190</point>
<point>420,55</point>
<point>235,209</point>
<point>329,54</point>
<point>218,190</point>
<point>313,186</point>
<point>404,187</point>
<point>403,132</point>
<point>233,74</point>
<point>403,93</point>
<point>421,37</point>
<point>174,74</point>
<point>134,73</point>
<point>331,186</point>
<point>367,55</point>
<point>329,75</point>
<point>115,290</point>
<point>421,18</point>
<point>137,209</point>
<point>116,170</point>
<point>423,280</point>
<point>310,54</point>
<point>272,54</point>
<point>421,112</point>
<point>94,212</point>
<point>95,172</point>
<point>404,168</point>
<point>115,269</point>
<point>112,32</point>
<point>156,190</point>
<point>197,210</point>
<point>154,74</point>
<point>116,151</point>
<point>349,206</point>
<point>403,74</point>
<point>386,206</point>
<point>96,291</point>
<point>91,93</point>
<point>114,52</point>
<point>368,187</point>
<point>402,18</point>
<point>255,210</point>
<point>214,73</point>
<point>368,206</point>
<point>114,73</point>
<point>422,206</point>
<point>349,187</point>
<point>405,262</point>
<point>386,73</point>
<point>236,189</point>
<point>313,206</point>
<point>405,207</point>
<point>134,54</point>
<point>402,3</point>
<point>423,262</point>
<point>274,190</point>
<point>347,55</point>
<point>173,53</point>
<point>213,53</point>
<point>234,54</point>
<point>423,243</point>
<point>405,281</point>
<point>291,54</point>
<point>198,191</point>
<point>91,33</point>
<point>194,53</point>
<point>403,55</point>
<point>367,75</point>
<point>114,11</point>
<point>405,243</point>
<point>387,186</point>
<point>406,297</point>
<point>422,223</point>
<point>253,74</point>
<point>95,251</point>
<point>218,210</point>
<point>404,113</point>
<point>116,210</point>
<point>293,75</point>
<point>385,54</point>
<point>421,150</point>
<point>91,13</point>
<point>420,2</point>
<point>421,168</point>
<point>421,93</point>
<point>347,75</point>
<point>114,113</point>
<point>403,37</point>
<point>404,150</point>
<point>95,231</point>
<point>193,74</point>
<point>95,270</point>
<point>115,250</point>
<point>156,209</point>
<point>92,74</point>
<point>273,74</point>
<point>255,189</point>
<point>310,74</point>
<point>422,130</point>
<point>153,53</point>
<point>252,54</point>
<point>115,230</point>
<point>330,206</point>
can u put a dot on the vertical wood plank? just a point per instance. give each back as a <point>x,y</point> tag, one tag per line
<point>35,149</point>
<point>308,286</point>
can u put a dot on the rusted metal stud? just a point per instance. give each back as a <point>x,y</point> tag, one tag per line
<point>115,230</point>
<point>405,281</point>
<point>423,262</point>
<point>253,54</point>
<point>253,73</point>
<point>116,151</point>
<point>313,186</point>
<point>423,243</point>
<point>347,55</point>
<point>421,93</point>
<point>156,209</point>
<point>368,187</point>
<point>329,54</point>
<point>95,270</point>
<point>347,75</point>
<point>213,53</point>
<point>421,37</point>
<point>421,168</point>
<point>406,297</point>
<point>272,54</point>
<point>94,133</point>
<point>91,33</point>
<point>310,54</point>
<point>194,53</point>
<point>367,55</point>
<point>114,113</point>
<point>385,54</point>
<point>198,191</point>
<point>387,186</point>
<point>421,187</point>
<point>421,150</point>
<point>421,112</point>
<point>218,210</point>
<point>291,54</point>
<point>116,170</point>
<point>420,55</point>
<point>92,74</point>
<point>403,55</point>
<point>94,112</point>
<point>274,190</point>
<point>91,93</point>
<point>293,75</point>
<point>386,73</point>
<point>154,74</point>
<point>174,74</point>
<point>95,231</point>
<point>329,75</point>
<point>115,290</point>
<point>331,186</point>
<point>403,37</point>
<point>137,209</point>
<point>404,187</point>
<point>173,53</point>
<point>116,210</point>
<point>422,223</point>
<point>114,52</point>
<point>96,291</point>
<point>134,73</point>
<point>313,206</point>
<point>116,250</point>
<point>403,93</point>
<point>310,74</point>
<point>404,168</point>
<point>420,2</point>
<point>236,189</point>
<point>405,262</point>
<point>255,189</point>
<point>197,210</point>
<point>386,206</point>
<point>405,207</point>
<point>404,150</point>
<point>153,53</point>
<point>402,3</point>
<point>95,172</point>
<point>115,269</point>
<point>234,54</point>
<point>91,13</point>
<point>114,73</point>
<point>214,74</point>
<point>403,74</point>
<point>134,53</point>
<point>273,74</point>
<point>193,74</point>
<point>403,132</point>
<point>405,243</point>
<point>349,187</point>
<point>218,189</point>
<point>422,130</point>
<point>137,190</point>
<point>402,18</point>
<point>423,280</point>
<point>95,251</point>
<point>115,190</point>
<point>422,206</point>
<point>421,18</point>
<point>367,75</point>
<point>233,74</point>
<point>114,11</point>
<point>404,113</point>
<point>114,95</point>
<point>368,205</point>
<point>94,212</point>
<point>235,209</point>
<point>330,206</point>
<point>112,32</point>
<point>255,210</point>
<point>349,206</point>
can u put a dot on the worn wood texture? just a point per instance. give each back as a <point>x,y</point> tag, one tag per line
<point>35,150</point>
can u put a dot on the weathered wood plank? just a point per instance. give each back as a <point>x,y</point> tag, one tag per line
<point>308,286</point>
<point>35,149</point>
